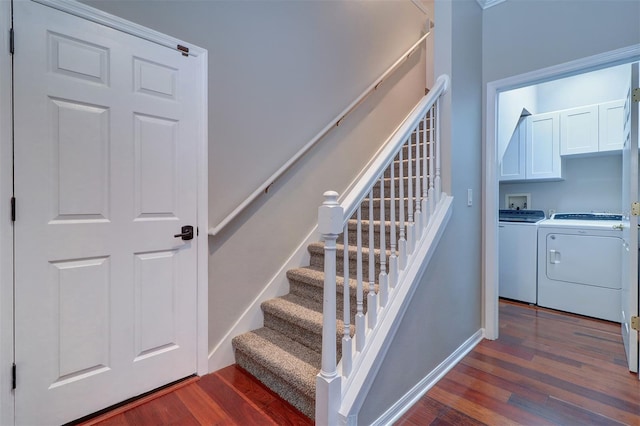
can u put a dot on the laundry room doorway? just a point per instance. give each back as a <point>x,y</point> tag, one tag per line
<point>494,199</point>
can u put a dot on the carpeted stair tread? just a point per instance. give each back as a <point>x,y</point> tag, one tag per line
<point>318,249</point>
<point>315,277</point>
<point>294,362</point>
<point>304,313</point>
<point>300,319</point>
<point>285,366</point>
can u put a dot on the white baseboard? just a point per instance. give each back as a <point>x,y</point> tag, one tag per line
<point>411,397</point>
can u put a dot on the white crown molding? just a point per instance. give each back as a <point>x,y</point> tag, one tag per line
<point>486,4</point>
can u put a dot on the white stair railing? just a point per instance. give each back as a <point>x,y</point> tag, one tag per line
<point>412,154</point>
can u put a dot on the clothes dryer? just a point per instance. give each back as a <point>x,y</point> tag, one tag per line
<point>579,267</point>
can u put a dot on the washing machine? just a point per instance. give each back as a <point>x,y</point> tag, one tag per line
<point>517,254</point>
<point>579,264</point>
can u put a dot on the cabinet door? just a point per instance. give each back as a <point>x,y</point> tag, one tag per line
<point>543,146</point>
<point>611,124</point>
<point>579,130</point>
<point>512,166</point>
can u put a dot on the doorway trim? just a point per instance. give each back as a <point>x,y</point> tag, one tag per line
<point>7,412</point>
<point>490,160</point>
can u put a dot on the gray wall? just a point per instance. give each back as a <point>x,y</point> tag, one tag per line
<point>451,286</point>
<point>527,35</point>
<point>278,72</point>
<point>590,184</point>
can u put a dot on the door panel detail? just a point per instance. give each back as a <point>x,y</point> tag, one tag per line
<point>155,79</point>
<point>81,133</point>
<point>155,145</point>
<point>155,302</point>
<point>83,310</point>
<point>79,59</point>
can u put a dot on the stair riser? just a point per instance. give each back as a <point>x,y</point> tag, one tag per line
<point>304,403</point>
<point>353,236</point>
<point>387,187</point>
<point>387,211</point>
<point>317,260</point>
<point>316,293</point>
<point>405,169</point>
<point>301,335</point>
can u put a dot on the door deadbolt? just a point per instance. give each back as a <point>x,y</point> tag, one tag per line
<point>187,233</point>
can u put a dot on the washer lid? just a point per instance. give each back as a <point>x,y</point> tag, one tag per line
<point>526,216</point>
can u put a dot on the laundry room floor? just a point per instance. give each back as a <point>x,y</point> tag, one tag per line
<point>546,368</point>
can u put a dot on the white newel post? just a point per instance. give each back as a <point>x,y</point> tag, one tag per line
<point>328,382</point>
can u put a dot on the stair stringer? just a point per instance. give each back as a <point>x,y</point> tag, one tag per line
<point>365,367</point>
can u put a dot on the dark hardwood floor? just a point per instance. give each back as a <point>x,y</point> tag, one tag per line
<point>547,368</point>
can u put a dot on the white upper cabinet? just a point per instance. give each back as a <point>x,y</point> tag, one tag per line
<point>543,147</point>
<point>512,166</point>
<point>579,130</point>
<point>610,126</point>
<point>592,129</point>
<point>533,152</point>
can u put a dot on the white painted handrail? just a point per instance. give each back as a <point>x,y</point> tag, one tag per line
<point>264,187</point>
<point>339,384</point>
<point>352,200</point>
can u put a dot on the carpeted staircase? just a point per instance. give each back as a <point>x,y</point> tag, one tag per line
<point>285,354</point>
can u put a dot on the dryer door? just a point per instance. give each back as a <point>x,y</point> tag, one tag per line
<point>584,259</point>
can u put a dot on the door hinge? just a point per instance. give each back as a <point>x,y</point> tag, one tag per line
<point>13,376</point>
<point>13,209</point>
<point>635,323</point>
<point>635,97</point>
<point>183,49</point>
<point>11,41</point>
<point>635,209</point>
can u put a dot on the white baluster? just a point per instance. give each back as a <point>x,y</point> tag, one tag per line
<point>432,192</point>
<point>360,319</point>
<point>372,303</point>
<point>402,243</point>
<point>410,225</point>
<point>393,259</point>
<point>418,208</point>
<point>383,282</point>
<point>347,344</point>
<point>328,381</point>
<point>425,189</point>
<point>438,183</point>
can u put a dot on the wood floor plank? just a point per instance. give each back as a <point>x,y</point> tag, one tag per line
<point>237,406</point>
<point>203,407</point>
<point>166,410</point>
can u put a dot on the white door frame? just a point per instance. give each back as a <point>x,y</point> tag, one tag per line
<point>490,161</point>
<point>6,185</point>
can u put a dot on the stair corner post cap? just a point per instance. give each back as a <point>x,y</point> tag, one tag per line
<point>330,215</point>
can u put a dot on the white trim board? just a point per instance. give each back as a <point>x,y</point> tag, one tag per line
<point>490,161</point>
<point>89,13</point>
<point>406,402</point>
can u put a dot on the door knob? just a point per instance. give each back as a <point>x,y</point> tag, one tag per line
<point>186,234</point>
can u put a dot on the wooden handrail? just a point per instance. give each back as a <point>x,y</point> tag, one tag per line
<point>264,187</point>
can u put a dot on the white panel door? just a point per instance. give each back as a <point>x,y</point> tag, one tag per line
<point>630,222</point>
<point>105,176</point>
